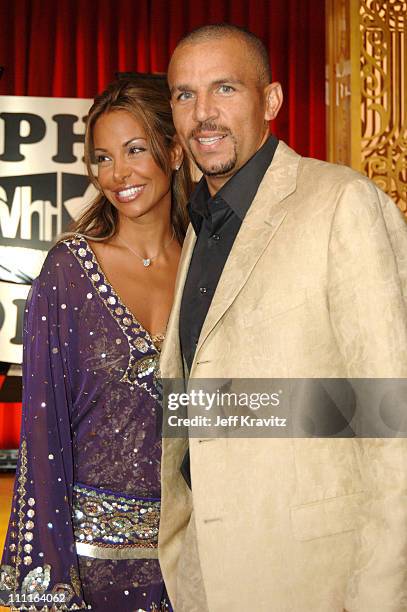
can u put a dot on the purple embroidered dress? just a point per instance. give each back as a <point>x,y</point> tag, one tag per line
<point>84,524</point>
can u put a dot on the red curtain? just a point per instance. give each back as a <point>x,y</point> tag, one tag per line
<point>10,418</point>
<point>73,48</point>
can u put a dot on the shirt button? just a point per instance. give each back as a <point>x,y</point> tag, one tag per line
<point>215,237</point>
<point>203,290</point>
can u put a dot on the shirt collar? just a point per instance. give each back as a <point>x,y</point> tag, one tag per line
<point>239,191</point>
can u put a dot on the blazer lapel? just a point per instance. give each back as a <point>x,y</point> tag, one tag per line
<point>261,222</point>
<point>171,358</point>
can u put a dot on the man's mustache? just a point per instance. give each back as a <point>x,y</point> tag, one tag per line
<point>208,127</point>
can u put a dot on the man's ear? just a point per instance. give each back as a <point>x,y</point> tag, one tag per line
<point>274,99</point>
<point>176,155</point>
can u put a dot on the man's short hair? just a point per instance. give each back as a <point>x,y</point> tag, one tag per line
<point>255,46</point>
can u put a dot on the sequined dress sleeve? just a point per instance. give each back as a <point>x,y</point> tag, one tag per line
<point>86,505</point>
<point>39,565</point>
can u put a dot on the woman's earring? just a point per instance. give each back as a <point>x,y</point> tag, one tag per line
<point>177,167</point>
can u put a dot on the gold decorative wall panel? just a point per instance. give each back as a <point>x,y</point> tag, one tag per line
<point>367,90</point>
<point>338,80</point>
<point>384,95</point>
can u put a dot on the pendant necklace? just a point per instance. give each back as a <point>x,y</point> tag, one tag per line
<point>147,260</point>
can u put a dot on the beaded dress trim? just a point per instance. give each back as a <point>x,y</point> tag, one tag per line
<point>111,525</point>
<point>143,366</point>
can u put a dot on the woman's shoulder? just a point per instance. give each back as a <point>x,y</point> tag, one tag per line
<point>60,260</point>
<point>61,284</point>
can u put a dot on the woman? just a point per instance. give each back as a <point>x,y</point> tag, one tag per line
<point>84,524</point>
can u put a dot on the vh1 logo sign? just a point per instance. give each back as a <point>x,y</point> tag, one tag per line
<point>43,179</point>
<point>43,187</point>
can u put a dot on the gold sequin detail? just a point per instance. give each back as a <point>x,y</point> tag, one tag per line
<point>76,583</point>
<point>112,520</point>
<point>22,480</point>
<point>141,344</point>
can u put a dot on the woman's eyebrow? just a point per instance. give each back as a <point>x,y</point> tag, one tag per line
<point>132,139</point>
<point>125,144</point>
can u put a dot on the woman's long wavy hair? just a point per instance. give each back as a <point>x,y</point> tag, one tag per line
<point>149,104</point>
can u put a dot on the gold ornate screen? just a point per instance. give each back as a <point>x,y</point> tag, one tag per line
<point>367,90</point>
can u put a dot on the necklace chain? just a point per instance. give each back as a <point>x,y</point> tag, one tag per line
<point>147,260</point>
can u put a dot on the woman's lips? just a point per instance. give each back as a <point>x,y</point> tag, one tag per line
<point>128,194</point>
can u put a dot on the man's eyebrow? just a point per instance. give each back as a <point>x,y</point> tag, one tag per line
<point>221,81</point>
<point>227,80</point>
<point>179,88</point>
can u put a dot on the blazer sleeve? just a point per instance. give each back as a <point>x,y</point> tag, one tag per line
<point>39,565</point>
<point>367,289</point>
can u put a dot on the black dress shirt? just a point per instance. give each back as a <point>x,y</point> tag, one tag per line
<point>216,221</point>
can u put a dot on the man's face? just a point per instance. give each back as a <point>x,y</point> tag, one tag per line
<point>220,109</point>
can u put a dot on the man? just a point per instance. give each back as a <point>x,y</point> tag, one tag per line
<point>291,268</point>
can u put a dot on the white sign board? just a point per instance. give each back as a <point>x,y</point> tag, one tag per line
<point>43,186</point>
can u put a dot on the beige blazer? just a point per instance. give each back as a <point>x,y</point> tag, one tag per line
<point>315,286</point>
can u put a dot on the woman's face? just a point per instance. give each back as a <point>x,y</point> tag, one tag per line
<point>127,172</point>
